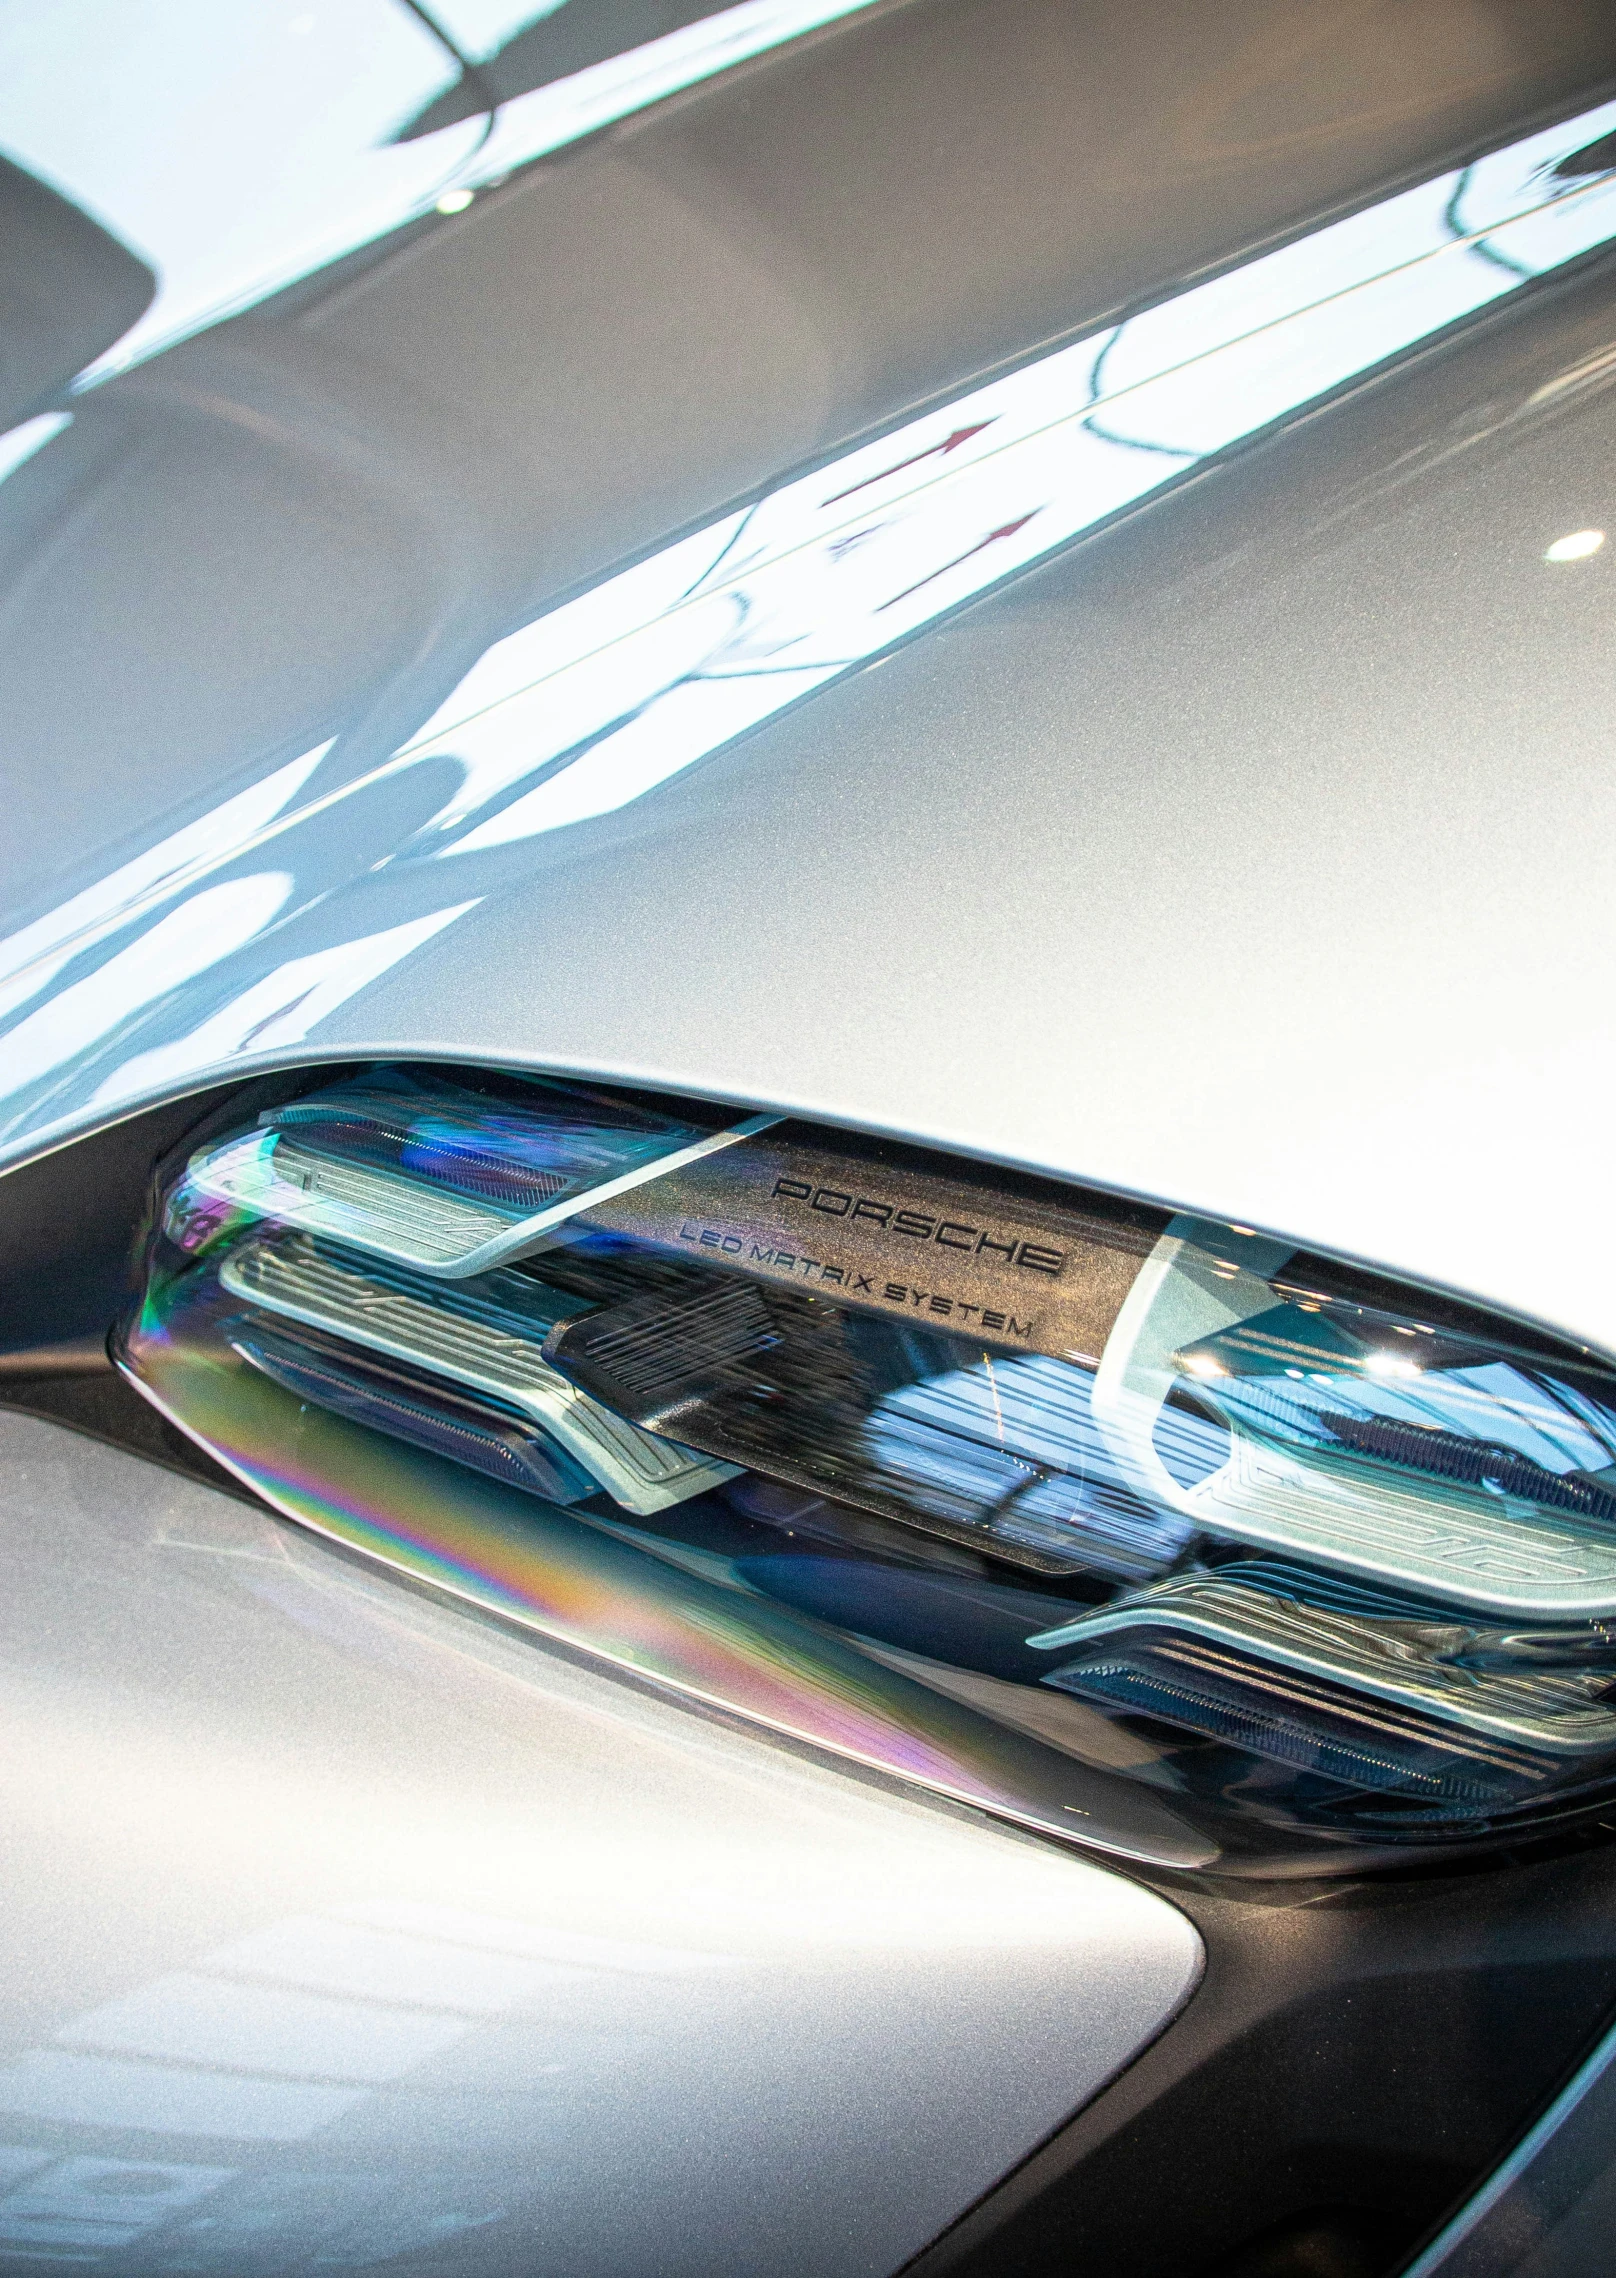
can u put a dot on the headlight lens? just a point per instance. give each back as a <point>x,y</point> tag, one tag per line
<point>1157,1534</point>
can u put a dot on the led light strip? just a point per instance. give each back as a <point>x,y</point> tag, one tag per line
<point>1556,1711</point>
<point>488,1342</point>
<point>405,1219</point>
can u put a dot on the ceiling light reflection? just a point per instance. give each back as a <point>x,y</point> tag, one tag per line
<point>832,568</point>
<point>601,701</point>
<point>238,150</point>
<point>1575,548</point>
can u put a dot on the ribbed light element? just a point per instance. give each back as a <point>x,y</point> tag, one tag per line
<point>1156,1534</point>
<point>435,1177</point>
<point>485,1338</point>
<point>1368,1440</point>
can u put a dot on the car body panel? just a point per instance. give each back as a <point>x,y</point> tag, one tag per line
<point>395,1931</point>
<point>1159,896</point>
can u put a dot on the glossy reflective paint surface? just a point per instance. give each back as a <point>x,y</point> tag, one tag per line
<point>395,1939</point>
<point>600,702</point>
<point>237,155</point>
<point>1244,784</point>
<point>309,912</point>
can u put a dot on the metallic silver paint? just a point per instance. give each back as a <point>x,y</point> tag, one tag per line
<point>205,107</point>
<point>1251,857</point>
<point>342,1922</point>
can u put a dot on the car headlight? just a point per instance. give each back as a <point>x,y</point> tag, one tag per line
<point>1156,1533</point>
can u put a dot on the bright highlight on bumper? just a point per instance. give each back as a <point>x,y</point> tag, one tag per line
<point>1159,1535</point>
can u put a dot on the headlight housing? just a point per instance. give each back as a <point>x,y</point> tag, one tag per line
<point>1155,1533</point>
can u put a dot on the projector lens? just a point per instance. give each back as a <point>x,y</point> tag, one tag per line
<point>1152,1533</point>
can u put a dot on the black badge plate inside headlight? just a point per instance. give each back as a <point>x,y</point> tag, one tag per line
<point>937,1253</point>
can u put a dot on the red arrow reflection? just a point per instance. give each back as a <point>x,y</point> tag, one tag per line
<point>936,451</point>
<point>1005,530</point>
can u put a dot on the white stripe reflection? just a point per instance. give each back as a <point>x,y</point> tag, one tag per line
<point>238,150</point>
<point>599,701</point>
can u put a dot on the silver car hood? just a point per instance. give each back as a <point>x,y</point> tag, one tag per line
<point>1249,855</point>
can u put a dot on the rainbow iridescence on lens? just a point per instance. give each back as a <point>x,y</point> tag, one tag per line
<point>551,1571</point>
